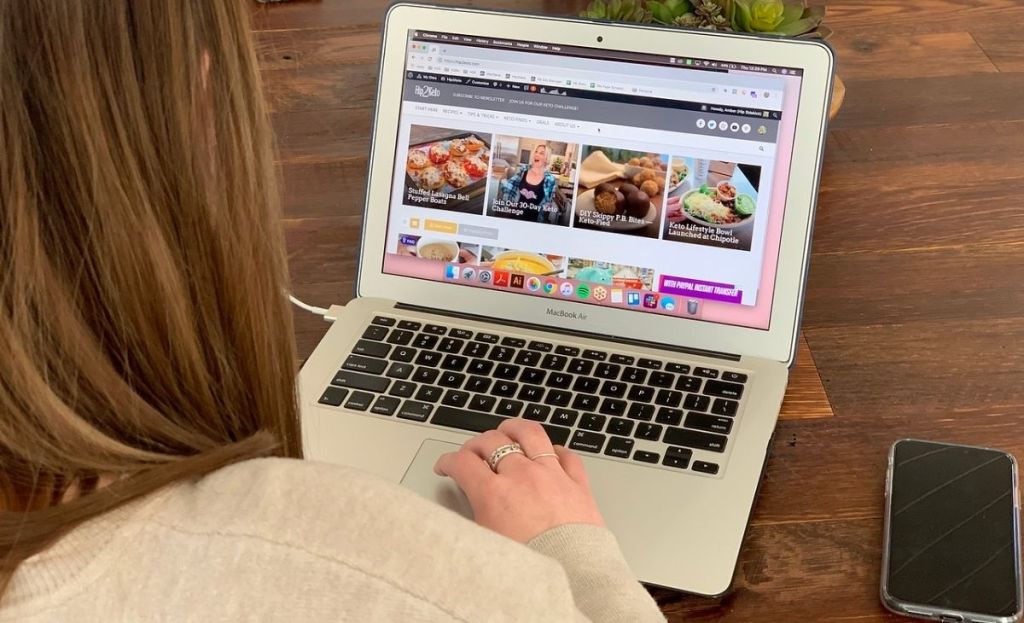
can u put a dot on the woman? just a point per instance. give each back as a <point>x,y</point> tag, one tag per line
<point>530,190</point>
<point>147,366</point>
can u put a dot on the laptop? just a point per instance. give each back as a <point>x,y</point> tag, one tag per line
<point>604,228</point>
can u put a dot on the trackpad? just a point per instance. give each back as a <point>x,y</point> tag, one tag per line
<point>420,477</point>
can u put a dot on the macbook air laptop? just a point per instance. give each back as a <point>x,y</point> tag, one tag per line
<point>600,227</point>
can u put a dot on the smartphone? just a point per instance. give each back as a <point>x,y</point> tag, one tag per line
<point>952,535</point>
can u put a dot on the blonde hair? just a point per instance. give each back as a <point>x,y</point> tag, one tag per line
<point>144,331</point>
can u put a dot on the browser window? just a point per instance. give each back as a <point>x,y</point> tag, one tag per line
<point>646,182</point>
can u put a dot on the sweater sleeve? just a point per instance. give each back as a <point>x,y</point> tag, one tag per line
<point>601,582</point>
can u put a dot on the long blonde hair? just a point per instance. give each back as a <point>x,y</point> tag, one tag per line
<point>144,331</point>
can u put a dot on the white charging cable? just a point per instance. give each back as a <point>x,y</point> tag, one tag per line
<point>313,309</point>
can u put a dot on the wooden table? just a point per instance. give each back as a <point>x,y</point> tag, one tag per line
<point>914,303</point>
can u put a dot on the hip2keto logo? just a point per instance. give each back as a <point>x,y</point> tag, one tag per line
<point>426,91</point>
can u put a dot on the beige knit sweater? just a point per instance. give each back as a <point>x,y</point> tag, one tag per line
<point>283,540</point>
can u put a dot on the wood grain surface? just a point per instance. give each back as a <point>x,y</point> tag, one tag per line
<point>913,322</point>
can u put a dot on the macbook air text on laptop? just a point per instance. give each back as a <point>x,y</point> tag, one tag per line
<point>603,228</point>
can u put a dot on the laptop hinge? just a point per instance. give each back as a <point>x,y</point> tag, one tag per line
<point>586,334</point>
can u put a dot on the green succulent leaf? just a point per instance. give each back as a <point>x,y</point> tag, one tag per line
<point>678,7</point>
<point>661,13</point>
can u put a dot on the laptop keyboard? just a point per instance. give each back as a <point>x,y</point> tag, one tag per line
<point>637,409</point>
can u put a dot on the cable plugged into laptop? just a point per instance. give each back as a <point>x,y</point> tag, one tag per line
<point>313,309</point>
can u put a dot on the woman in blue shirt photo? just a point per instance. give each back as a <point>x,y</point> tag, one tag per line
<point>530,191</point>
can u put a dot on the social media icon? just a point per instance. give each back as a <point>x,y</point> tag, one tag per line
<point>517,281</point>
<point>484,276</point>
<point>633,299</point>
<point>692,305</point>
<point>616,296</point>
<point>533,284</point>
<point>583,291</point>
<point>735,127</point>
<point>566,289</point>
<point>724,127</point>
<point>501,278</point>
<point>746,128</point>
<point>549,287</point>
<point>701,123</point>
<point>651,300</point>
<point>451,272</point>
<point>668,303</point>
<point>600,293</point>
<point>712,124</point>
<point>469,273</point>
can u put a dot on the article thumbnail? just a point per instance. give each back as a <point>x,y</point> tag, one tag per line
<point>621,191</point>
<point>532,180</point>
<point>438,249</point>
<point>712,203</point>
<point>621,276</point>
<point>446,169</point>
<point>527,262</point>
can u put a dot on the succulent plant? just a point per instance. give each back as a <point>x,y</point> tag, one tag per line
<point>776,17</point>
<point>618,11</point>
<point>669,11</point>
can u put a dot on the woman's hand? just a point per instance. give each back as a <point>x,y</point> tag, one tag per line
<point>526,496</point>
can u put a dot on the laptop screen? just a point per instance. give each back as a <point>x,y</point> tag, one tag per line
<point>644,182</point>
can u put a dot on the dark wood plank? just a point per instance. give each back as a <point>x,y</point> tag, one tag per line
<point>1003,42</point>
<point>860,54</point>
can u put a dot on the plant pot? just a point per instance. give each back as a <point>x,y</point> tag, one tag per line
<point>838,94</point>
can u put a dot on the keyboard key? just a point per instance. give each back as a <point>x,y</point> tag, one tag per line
<point>400,337</point>
<point>591,421</point>
<point>688,383</point>
<point>487,338</point>
<point>640,412</point>
<point>677,457</point>
<point>514,342</point>
<point>451,379</point>
<point>479,366</point>
<point>425,375</point>
<point>507,371</point>
<point>454,362</point>
<point>532,375</point>
<point>424,340</point>
<point>588,442</point>
<point>383,321</point>
<point>412,410</point>
<point>385,405</point>
<point>411,325</point>
<point>626,360</point>
<point>615,389</point>
<point>451,345</point>
<point>710,373</point>
<point>596,355</point>
<point>333,396</point>
<point>557,434</point>
<point>613,406</point>
<point>564,417</point>
<point>705,467</point>
<point>403,354</point>
<point>528,358</point>
<point>403,389</point>
<point>371,348</point>
<point>568,351</point>
<point>477,422</point>
<point>608,370</point>
<point>400,370</point>
<point>462,334</point>
<point>634,375</point>
<point>670,416</point>
<point>435,329</point>
<point>646,457</point>
<point>428,393</point>
<point>505,388</point>
<point>537,413</point>
<point>668,398</point>
<point>695,439</point>
<point>620,426</point>
<point>640,393</point>
<point>359,401</point>
<point>478,384</point>
<point>502,354</point>
<point>723,389</point>
<point>543,347</point>
<point>586,384</point>
<point>483,403</point>
<point>621,447</point>
<point>560,380</point>
<point>650,364</point>
<point>428,358</point>
<point>651,432</point>
<point>662,379</point>
<point>365,364</point>
<point>558,397</point>
<point>721,406</point>
<point>531,393</point>
<point>476,349</point>
<point>696,402</point>
<point>734,377</point>
<point>554,362</point>
<point>580,366</point>
<point>375,333</point>
<point>585,402</point>
<point>710,423</point>
<point>455,398</point>
<point>677,368</point>
<point>355,380</point>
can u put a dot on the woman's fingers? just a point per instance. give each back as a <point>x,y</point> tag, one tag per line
<point>471,474</point>
<point>529,435</point>
<point>484,445</point>
<point>573,465</point>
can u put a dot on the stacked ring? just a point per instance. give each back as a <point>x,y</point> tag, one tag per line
<point>501,452</point>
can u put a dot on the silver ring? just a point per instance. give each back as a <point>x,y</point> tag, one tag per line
<point>501,452</point>
<point>542,455</point>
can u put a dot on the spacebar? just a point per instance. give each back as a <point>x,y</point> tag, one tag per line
<point>480,422</point>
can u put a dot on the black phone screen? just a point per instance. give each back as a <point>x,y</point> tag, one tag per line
<point>952,529</point>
